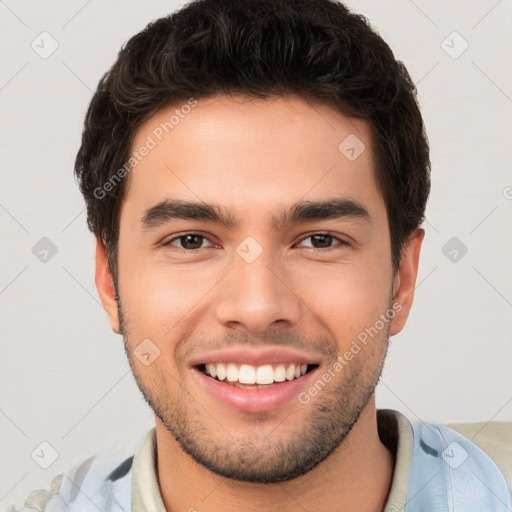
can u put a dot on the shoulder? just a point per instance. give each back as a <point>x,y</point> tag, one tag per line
<point>465,468</point>
<point>102,482</point>
<point>494,438</point>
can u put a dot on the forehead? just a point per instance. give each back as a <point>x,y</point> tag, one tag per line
<point>250,154</point>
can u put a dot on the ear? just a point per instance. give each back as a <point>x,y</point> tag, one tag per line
<point>105,286</point>
<point>404,282</point>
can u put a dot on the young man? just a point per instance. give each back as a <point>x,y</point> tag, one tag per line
<point>256,175</point>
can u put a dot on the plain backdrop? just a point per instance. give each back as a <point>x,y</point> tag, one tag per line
<point>64,379</point>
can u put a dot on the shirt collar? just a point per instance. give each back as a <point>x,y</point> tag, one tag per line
<point>145,489</point>
<point>395,432</point>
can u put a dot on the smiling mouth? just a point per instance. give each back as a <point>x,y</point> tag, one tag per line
<point>255,377</point>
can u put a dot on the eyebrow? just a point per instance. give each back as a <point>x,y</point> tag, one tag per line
<point>301,212</point>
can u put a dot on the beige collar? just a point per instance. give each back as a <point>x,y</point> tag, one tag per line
<point>394,429</point>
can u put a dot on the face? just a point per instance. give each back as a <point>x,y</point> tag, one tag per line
<point>255,281</point>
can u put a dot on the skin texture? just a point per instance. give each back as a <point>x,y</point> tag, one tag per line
<point>254,158</point>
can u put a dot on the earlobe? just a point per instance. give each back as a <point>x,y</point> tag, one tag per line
<point>105,286</point>
<point>404,282</point>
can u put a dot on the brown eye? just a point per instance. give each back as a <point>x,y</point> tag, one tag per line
<point>191,241</point>
<point>322,241</point>
<point>188,241</point>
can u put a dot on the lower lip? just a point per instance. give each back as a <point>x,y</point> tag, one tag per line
<point>254,400</point>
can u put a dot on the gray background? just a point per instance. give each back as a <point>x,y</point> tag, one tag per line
<point>63,375</point>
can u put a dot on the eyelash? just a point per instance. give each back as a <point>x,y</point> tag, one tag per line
<point>341,241</point>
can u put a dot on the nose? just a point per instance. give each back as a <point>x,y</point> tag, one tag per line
<point>257,296</point>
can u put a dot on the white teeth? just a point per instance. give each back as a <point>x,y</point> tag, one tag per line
<point>280,373</point>
<point>232,372</point>
<point>265,374</point>
<point>211,369</point>
<point>220,370</point>
<point>248,374</point>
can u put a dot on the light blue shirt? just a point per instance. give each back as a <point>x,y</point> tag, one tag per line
<point>436,470</point>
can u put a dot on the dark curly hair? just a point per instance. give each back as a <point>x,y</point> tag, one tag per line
<point>260,48</point>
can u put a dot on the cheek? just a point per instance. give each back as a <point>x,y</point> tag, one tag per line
<point>345,299</point>
<point>157,297</point>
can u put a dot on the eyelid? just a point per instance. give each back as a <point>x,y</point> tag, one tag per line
<point>186,233</point>
<point>326,233</point>
<point>342,242</point>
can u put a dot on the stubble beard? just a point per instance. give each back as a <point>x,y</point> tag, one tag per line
<point>269,459</point>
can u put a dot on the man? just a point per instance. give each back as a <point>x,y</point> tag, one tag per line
<point>256,175</point>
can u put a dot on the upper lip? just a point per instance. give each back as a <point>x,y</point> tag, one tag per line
<point>254,356</point>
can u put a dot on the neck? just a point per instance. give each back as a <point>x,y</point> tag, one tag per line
<point>339,483</point>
